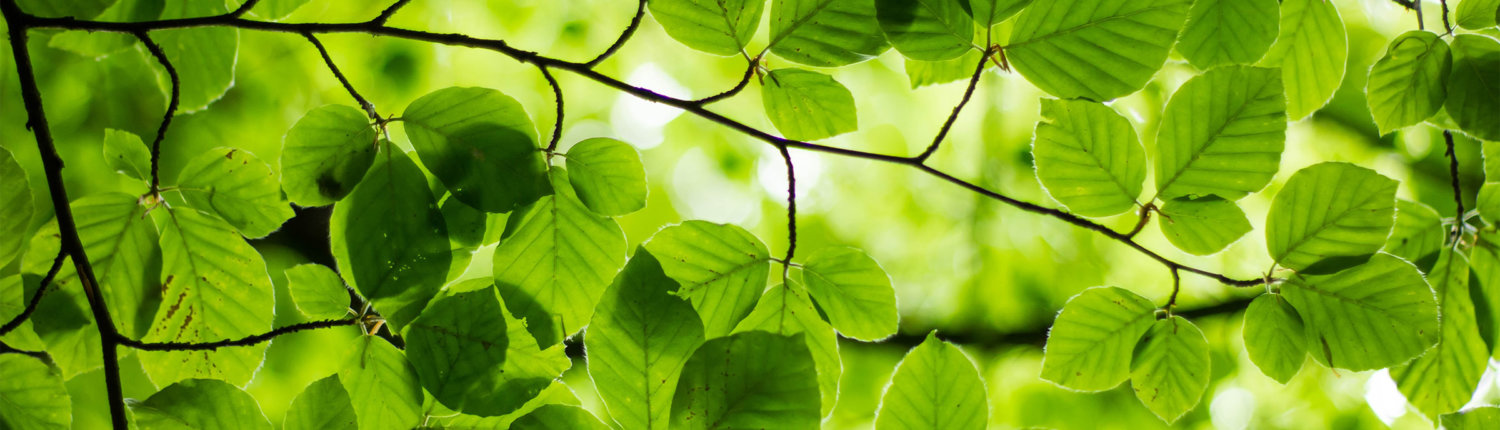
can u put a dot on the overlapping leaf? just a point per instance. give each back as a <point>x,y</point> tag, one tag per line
<point>1222,134</point>
<point>825,33</point>
<point>323,405</point>
<point>924,73</point>
<point>204,57</point>
<point>1202,226</point>
<point>457,345</point>
<point>1088,157</point>
<point>608,176</point>
<point>559,417</point>
<point>720,27</point>
<point>854,291</point>
<point>748,380</point>
<point>1418,232</point>
<point>1378,314</point>
<point>122,245</point>
<point>238,187</point>
<point>1477,14</point>
<point>326,154</point>
<point>1090,343</point>
<point>1220,32</point>
<point>927,30</point>
<point>786,310</point>
<point>383,387</point>
<point>317,291</point>
<point>1170,369</point>
<point>1094,49</point>
<point>127,154</point>
<point>1275,337</point>
<point>987,13</point>
<point>16,207</point>
<point>480,144</point>
<point>32,395</point>
<point>529,369</point>
<point>1310,50</point>
<point>1329,210</point>
<point>916,400</point>
<point>807,105</point>
<point>722,269</point>
<point>200,404</point>
<point>1444,379</point>
<point>1473,91</point>
<point>1409,84</point>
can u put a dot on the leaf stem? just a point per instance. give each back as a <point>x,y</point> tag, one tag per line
<point>166,119</point>
<point>1458,197</point>
<point>36,298</point>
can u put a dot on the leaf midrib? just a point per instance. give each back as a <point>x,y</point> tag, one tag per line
<point>1213,138</point>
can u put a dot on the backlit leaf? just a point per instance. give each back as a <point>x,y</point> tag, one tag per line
<point>326,154</point>
<point>480,144</point>
<point>915,399</point>
<point>1222,134</point>
<point>1275,337</point>
<point>722,269</point>
<point>927,30</point>
<point>1170,369</point>
<point>1310,50</point>
<point>1409,84</point>
<point>1329,210</point>
<point>1088,348</point>
<point>748,380</point>
<point>854,290</point>
<point>1378,314</point>
<point>1473,94</point>
<point>383,387</point>
<point>323,405</point>
<point>317,291</point>
<point>1088,157</point>
<point>720,27</point>
<point>825,33</point>
<point>238,187</point>
<point>1444,379</point>
<point>1094,49</point>
<point>32,395</point>
<point>808,105</point>
<point>1220,32</point>
<point>1202,226</point>
<point>457,346</point>
<point>786,310</point>
<point>200,404</point>
<point>608,176</point>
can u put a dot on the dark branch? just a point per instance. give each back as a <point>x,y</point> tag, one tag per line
<point>245,341</point>
<point>1176,287</point>
<point>791,213</point>
<point>635,22</point>
<point>36,298</point>
<point>968,93</point>
<point>744,81</point>
<point>1145,218</point>
<point>245,7</point>
<point>166,118</point>
<point>39,355</point>
<point>557,95</point>
<point>1446,24</point>
<point>364,104</point>
<point>385,15</point>
<point>1458,195</point>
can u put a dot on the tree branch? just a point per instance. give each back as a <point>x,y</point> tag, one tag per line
<point>1458,196</point>
<point>791,213</point>
<point>328,60</point>
<point>1446,24</point>
<point>557,96</point>
<point>969,92</point>
<point>166,118</point>
<point>744,81</point>
<point>244,7</point>
<point>39,355</point>
<point>385,15</point>
<point>244,341</point>
<point>36,298</point>
<point>635,22</point>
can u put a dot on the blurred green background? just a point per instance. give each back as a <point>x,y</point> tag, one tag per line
<point>986,275</point>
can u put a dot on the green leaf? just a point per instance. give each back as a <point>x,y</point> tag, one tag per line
<point>1329,210</point>
<point>214,286</point>
<point>127,154</point>
<point>926,30</point>
<point>1274,337</point>
<point>1473,92</point>
<point>1378,314</point>
<point>825,33</point>
<point>915,399</point>
<point>466,226</point>
<point>720,27</point>
<point>1088,348</point>
<point>924,73</point>
<point>528,370</point>
<point>808,105</point>
<point>1220,32</point>
<point>556,394</point>
<point>556,264</point>
<point>99,44</point>
<point>62,321</point>
<point>1094,49</point>
<point>323,405</point>
<point>1418,231</point>
<point>317,291</point>
<point>1476,418</point>
<point>237,187</point>
<point>854,290</point>
<point>480,144</point>
<point>722,269</point>
<point>1488,201</point>
<point>16,208</point>
<point>1202,226</point>
<point>390,240</point>
<point>1169,370</point>
<point>1409,84</point>
<point>456,345</point>
<point>1310,50</point>
<point>987,13</point>
<point>122,245</point>
<point>326,154</point>
<point>748,380</point>
<point>1088,157</point>
<point>80,9</point>
<point>637,342</point>
<point>786,310</point>
<point>13,300</point>
<point>1444,379</point>
<point>1222,134</point>
<point>32,395</point>
<point>559,417</point>
<point>200,404</point>
<point>275,10</point>
<point>382,385</point>
<point>1485,263</point>
<point>1477,14</point>
<point>204,57</point>
<point>608,176</point>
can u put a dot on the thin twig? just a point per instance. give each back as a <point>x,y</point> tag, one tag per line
<point>364,104</point>
<point>1458,196</point>
<point>744,81</point>
<point>1145,218</point>
<point>244,7</point>
<point>166,118</point>
<point>39,355</point>
<point>953,117</point>
<point>635,22</point>
<point>1176,287</point>
<point>557,96</point>
<point>244,341</point>
<point>36,298</point>
<point>385,15</point>
<point>791,212</point>
<point>1446,24</point>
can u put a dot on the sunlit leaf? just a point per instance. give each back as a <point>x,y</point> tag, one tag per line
<point>1477,14</point>
<point>1476,418</point>
<point>1444,379</point>
<point>204,57</point>
<point>927,30</point>
<point>382,386</point>
<point>637,342</point>
<point>80,9</point>
<point>559,417</point>
<point>214,287</point>
<point>277,9</point>
<point>390,240</point>
<point>1222,134</point>
<point>1220,32</point>
<point>987,13</point>
<point>915,399</point>
<point>786,310</point>
<point>98,44</point>
<point>808,105</point>
<point>1485,265</point>
<point>748,380</point>
<point>924,73</point>
<point>1089,346</point>
<point>457,345</point>
<point>238,187</point>
<point>529,368</point>
<point>1202,226</point>
<point>722,269</point>
<point>825,33</point>
<point>1094,49</point>
<point>323,405</point>
<point>1170,369</point>
<point>326,154</point>
<point>1088,157</point>
<point>720,27</point>
<point>1409,84</point>
<point>480,144</point>
<point>1418,231</point>
<point>200,404</point>
<point>122,245</point>
<point>608,176</point>
<point>62,322</point>
<point>1329,210</point>
<point>127,154</point>
<point>317,291</point>
<point>32,395</point>
<point>1473,95</point>
<point>16,208</point>
<point>1378,314</point>
<point>1274,337</point>
<point>854,290</point>
<point>1310,49</point>
<point>556,394</point>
